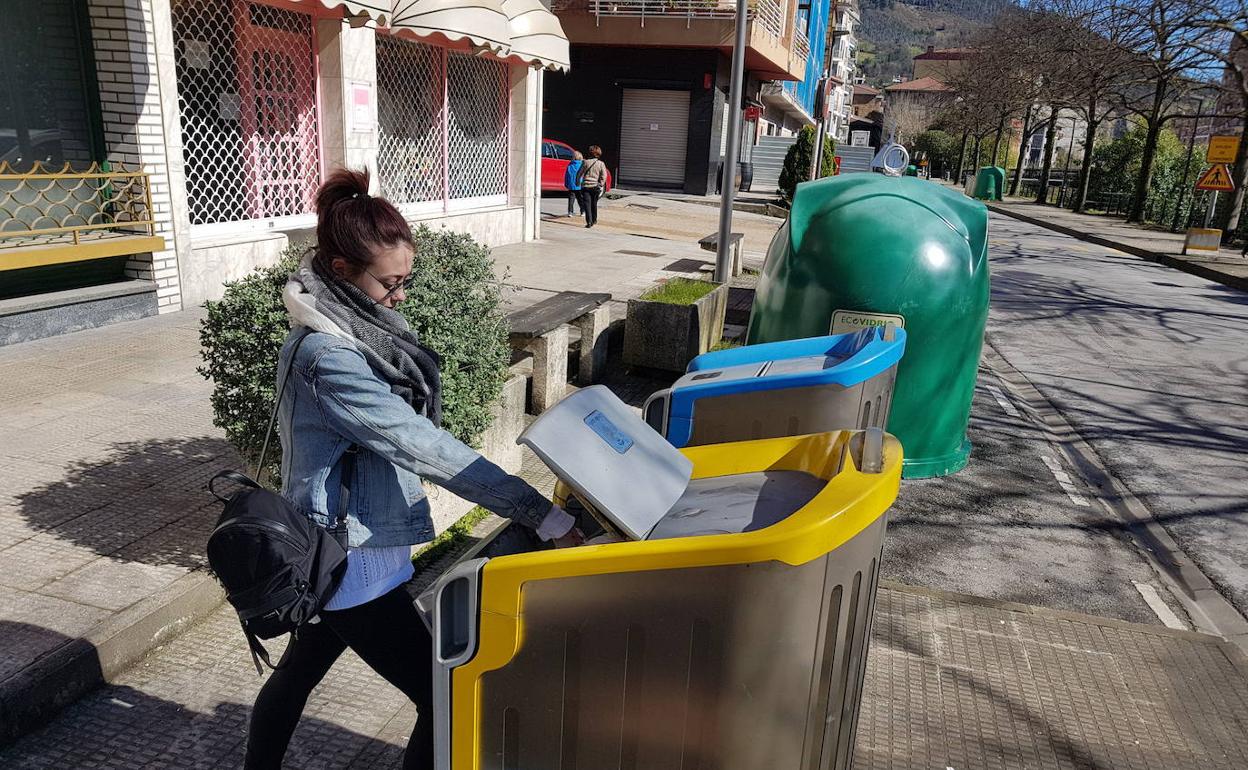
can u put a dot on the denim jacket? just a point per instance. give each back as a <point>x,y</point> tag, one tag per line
<point>334,400</point>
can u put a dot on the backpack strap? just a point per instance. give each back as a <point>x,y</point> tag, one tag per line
<point>258,653</point>
<point>277,402</point>
<point>234,476</point>
<point>339,528</point>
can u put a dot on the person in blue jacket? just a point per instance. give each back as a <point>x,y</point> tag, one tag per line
<point>571,182</point>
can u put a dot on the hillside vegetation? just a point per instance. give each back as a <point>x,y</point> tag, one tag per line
<point>894,31</point>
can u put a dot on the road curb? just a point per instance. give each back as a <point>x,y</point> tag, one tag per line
<point>34,695</point>
<point>1168,260</point>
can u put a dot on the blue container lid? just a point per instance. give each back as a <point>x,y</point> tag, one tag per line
<point>838,359</point>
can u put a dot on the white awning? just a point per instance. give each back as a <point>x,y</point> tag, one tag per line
<point>359,11</point>
<point>521,29</point>
<point>479,22</point>
<point>536,35</point>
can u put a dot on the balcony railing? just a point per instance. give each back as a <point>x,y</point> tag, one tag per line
<point>54,216</point>
<point>766,12</point>
<point>801,47</point>
<point>769,15</point>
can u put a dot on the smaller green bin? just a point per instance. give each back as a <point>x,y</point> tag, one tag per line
<point>990,183</point>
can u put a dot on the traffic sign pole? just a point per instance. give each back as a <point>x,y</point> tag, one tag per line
<point>1213,206</point>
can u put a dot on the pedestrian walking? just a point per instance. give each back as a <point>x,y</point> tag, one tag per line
<point>593,178</point>
<point>362,383</point>
<point>572,182</point>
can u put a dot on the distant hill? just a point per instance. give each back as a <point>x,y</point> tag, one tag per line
<point>893,31</point>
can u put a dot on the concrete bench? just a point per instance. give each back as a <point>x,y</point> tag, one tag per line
<point>542,329</point>
<point>711,243</point>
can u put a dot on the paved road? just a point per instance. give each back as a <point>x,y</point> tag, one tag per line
<point>1150,366</point>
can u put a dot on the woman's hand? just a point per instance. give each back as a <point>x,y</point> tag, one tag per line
<point>559,527</point>
<point>571,540</point>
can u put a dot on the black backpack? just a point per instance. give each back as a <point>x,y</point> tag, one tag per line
<point>278,566</point>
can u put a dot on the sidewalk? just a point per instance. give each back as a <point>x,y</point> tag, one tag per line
<point>1226,267</point>
<point>106,445</point>
<point>655,215</point>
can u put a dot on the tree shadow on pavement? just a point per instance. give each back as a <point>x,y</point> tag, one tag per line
<point>123,727</point>
<point>963,718</point>
<point>141,501</point>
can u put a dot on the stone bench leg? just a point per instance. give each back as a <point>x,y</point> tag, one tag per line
<point>550,368</point>
<point>593,326</point>
<point>736,258</point>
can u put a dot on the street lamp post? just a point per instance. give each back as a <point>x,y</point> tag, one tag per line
<point>728,191</point>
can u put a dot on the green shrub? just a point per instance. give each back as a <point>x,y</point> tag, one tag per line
<point>452,538</point>
<point>797,161</point>
<point>679,291</point>
<point>455,307</point>
<point>1117,164</point>
<point>940,149</point>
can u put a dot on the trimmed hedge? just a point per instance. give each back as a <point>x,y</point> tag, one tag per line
<point>455,306</point>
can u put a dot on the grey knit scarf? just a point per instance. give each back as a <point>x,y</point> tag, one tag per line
<point>383,336</point>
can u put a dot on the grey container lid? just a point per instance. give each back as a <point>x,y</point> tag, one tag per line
<point>598,446</point>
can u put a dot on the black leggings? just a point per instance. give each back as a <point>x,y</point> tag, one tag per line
<point>388,634</point>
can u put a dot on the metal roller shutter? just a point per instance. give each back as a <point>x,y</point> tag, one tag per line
<point>654,128</point>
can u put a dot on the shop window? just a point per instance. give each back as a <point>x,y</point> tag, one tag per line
<point>442,120</point>
<point>476,133</point>
<point>247,97</point>
<point>49,110</point>
<point>410,93</point>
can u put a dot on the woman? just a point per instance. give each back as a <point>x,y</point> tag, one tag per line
<point>361,382</point>
<point>571,181</point>
<point>593,178</point>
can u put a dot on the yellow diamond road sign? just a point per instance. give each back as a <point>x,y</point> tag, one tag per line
<point>1222,149</point>
<point>1217,178</point>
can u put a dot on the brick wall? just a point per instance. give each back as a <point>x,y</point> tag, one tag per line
<point>125,37</point>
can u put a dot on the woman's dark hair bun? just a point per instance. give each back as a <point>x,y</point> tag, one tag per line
<point>342,184</point>
<point>350,223</point>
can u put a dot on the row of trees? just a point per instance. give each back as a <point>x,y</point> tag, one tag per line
<point>1151,61</point>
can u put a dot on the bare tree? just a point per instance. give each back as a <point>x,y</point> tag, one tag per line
<point>1001,81</point>
<point>1092,42</point>
<point>907,115</point>
<point>1170,66</point>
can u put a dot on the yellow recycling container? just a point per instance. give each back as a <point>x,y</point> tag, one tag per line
<point>731,626</point>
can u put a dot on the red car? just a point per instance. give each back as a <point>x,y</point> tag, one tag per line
<point>555,159</point>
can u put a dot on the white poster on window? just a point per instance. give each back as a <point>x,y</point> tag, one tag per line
<point>196,53</point>
<point>360,106</point>
<point>229,107</point>
<point>860,138</point>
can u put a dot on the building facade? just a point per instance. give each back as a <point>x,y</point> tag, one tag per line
<point>943,64</point>
<point>195,132</point>
<point>912,106</point>
<point>843,70</point>
<point>649,84</point>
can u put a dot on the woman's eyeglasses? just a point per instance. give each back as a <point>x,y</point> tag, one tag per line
<point>405,284</point>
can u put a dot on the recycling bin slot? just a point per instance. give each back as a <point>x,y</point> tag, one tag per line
<point>742,502</point>
<point>835,382</point>
<point>731,623</point>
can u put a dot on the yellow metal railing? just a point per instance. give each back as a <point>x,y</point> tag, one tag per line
<point>49,216</point>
